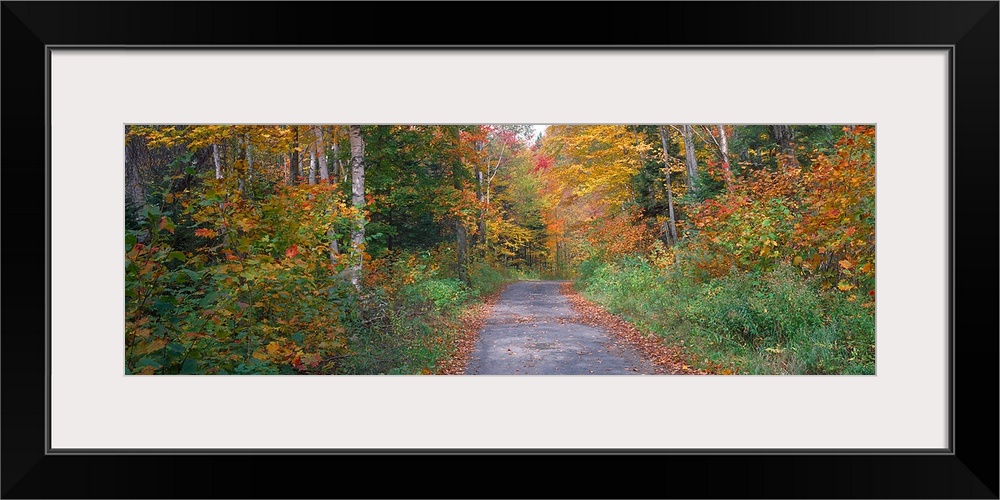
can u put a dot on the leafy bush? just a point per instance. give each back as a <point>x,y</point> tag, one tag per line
<point>485,279</point>
<point>443,295</point>
<point>233,307</point>
<point>587,269</point>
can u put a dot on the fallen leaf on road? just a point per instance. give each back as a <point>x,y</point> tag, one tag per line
<point>665,358</point>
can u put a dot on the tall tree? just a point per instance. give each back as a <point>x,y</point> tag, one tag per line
<point>461,232</point>
<point>480,197</point>
<point>312,163</point>
<point>671,229</point>
<point>335,146</point>
<point>293,155</point>
<point>249,155</point>
<point>320,146</point>
<point>690,160</point>
<point>135,151</point>
<point>215,158</point>
<point>724,151</point>
<point>722,144</point>
<point>358,199</point>
<point>241,160</point>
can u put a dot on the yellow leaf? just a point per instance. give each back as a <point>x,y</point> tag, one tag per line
<point>844,286</point>
<point>797,260</point>
<point>846,264</point>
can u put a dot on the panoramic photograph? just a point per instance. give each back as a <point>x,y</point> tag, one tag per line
<point>559,249</point>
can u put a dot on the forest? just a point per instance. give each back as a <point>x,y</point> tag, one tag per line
<point>366,249</point>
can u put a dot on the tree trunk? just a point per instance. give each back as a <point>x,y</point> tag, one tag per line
<point>690,160</point>
<point>461,241</point>
<point>312,165</point>
<point>299,168</point>
<point>293,161</point>
<point>785,138</point>
<point>481,224</point>
<point>461,232</point>
<point>358,199</point>
<point>324,169</point>
<point>724,151</point>
<point>671,229</point>
<point>135,151</point>
<point>337,166</point>
<point>241,160</point>
<point>249,161</point>
<point>218,164</point>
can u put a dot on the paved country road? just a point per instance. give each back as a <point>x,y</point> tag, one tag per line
<point>534,330</point>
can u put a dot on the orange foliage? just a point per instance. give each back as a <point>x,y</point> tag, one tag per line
<point>836,235</point>
<point>822,220</point>
<point>619,235</point>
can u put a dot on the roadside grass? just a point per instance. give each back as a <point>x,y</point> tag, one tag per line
<point>774,322</point>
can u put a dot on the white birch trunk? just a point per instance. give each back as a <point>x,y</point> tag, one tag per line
<point>312,165</point>
<point>724,149</point>
<point>324,169</point>
<point>358,199</point>
<point>215,157</point>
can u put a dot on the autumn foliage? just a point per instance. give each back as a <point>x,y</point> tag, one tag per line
<point>240,253</point>
<point>752,246</point>
<point>773,270</point>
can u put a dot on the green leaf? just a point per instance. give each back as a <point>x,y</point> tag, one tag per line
<point>209,299</point>
<point>190,367</point>
<point>164,305</point>
<point>178,256</point>
<point>194,275</point>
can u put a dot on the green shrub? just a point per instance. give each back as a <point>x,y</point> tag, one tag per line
<point>445,294</point>
<point>587,269</point>
<point>484,278</point>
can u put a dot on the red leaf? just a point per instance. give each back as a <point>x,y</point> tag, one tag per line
<point>292,251</point>
<point>542,162</point>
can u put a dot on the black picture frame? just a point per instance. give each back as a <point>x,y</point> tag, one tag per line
<point>968,470</point>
